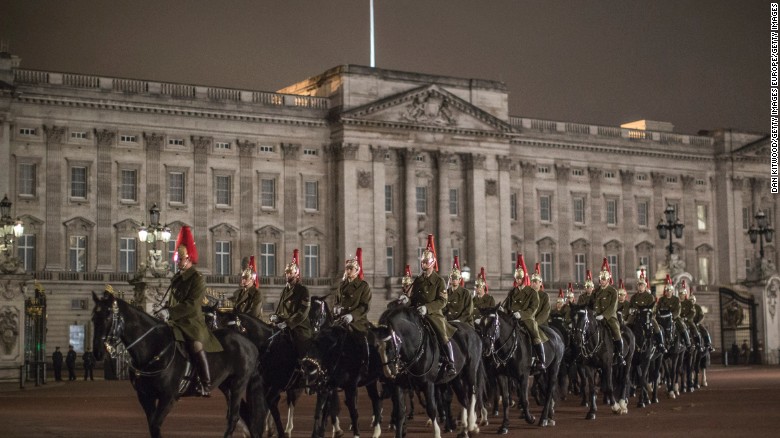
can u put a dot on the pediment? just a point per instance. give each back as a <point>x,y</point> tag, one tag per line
<point>79,224</point>
<point>427,107</point>
<point>224,230</point>
<point>757,150</point>
<point>269,231</point>
<point>127,226</point>
<point>312,233</point>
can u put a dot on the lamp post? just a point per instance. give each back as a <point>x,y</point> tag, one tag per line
<point>155,232</point>
<point>760,231</point>
<point>671,225</point>
<point>10,230</point>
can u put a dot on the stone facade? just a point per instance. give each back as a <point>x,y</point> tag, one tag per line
<point>358,157</point>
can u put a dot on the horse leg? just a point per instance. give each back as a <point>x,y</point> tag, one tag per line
<point>272,399</point>
<point>292,398</point>
<point>589,385</point>
<point>333,412</point>
<point>164,406</point>
<point>430,408</point>
<point>399,409</point>
<point>522,394</point>
<point>376,407</point>
<point>503,387</point>
<point>320,407</point>
<point>350,399</point>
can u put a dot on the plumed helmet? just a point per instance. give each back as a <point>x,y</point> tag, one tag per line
<point>570,292</point>
<point>642,278</point>
<point>669,286</point>
<point>356,263</point>
<point>250,271</point>
<point>588,279</point>
<point>481,280</point>
<point>537,275</point>
<point>293,267</point>
<point>605,273</point>
<point>684,289</point>
<point>185,246</point>
<point>561,297</point>
<point>407,280</point>
<point>519,270</point>
<point>455,273</point>
<point>621,288</point>
<point>109,289</point>
<point>429,253</point>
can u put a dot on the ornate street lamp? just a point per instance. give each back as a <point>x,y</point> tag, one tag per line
<point>156,232</point>
<point>10,230</point>
<point>760,231</point>
<point>672,225</point>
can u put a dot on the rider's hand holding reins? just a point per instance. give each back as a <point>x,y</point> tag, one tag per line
<point>347,318</point>
<point>599,317</point>
<point>337,310</point>
<point>282,325</point>
<point>273,318</point>
<point>423,310</point>
<point>517,315</point>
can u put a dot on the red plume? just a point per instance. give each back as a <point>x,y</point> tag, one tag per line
<point>484,277</point>
<point>253,266</point>
<point>295,258</point>
<point>620,284</point>
<point>526,278</point>
<point>359,257</point>
<point>456,264</point>
<point>605,267</point>
<point>407,271</point>
<point>588,275</point>
<point>432,247</point>
<point>186,240</point>
<point>560,293</point>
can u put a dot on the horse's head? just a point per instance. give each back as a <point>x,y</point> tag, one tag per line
<point>387,344</point>
<point>107,324</point>
<point>489,329</point>
<point>210,315</point>
<point>581,317</point>
<point>319,314</point>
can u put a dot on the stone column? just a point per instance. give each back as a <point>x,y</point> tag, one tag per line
<point>530,211</point>
<point>690,220</point>
<point>630,262</point>
<point>105,199</point>
<point>246,189</point>
<point>379,266</point>
<point>292,199</point>
<point>504,254</point>
<point>347,222</point>
<point>410,208</point>
<point>201,148</point>
<point>565,220</point>
<point>5,155</point>
<point>476,228</point>
<point>598,229</point>
<point>54,244</point>
<point>154,145</point>
<point>443,238</point>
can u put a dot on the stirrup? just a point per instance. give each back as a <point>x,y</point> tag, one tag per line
<point>204,390</point>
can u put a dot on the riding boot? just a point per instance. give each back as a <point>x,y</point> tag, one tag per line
<point>449,358</point>
<point>203,373</point>
<point>686,338</point>
<point>708,341</point>
<point>618,353</point>
<point>539,356</point>
<point>659,339</point>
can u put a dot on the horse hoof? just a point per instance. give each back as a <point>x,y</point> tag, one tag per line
<point>655,400</point>
<point>583,403</point>
<point>590,416</point>
<point>495,413</point>
<point>502,431</point>
<point>530,419</point>
<point>640,405</point>
<point>543,423</point>
<point>339,434</point>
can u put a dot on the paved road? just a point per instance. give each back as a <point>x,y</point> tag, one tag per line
<point>739,401</point>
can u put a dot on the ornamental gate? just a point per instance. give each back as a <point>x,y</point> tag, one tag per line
<point>739,335</point>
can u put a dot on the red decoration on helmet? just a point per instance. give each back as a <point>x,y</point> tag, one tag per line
<point>253,266</point>
<point>359,257</point>
<point>185,246</point>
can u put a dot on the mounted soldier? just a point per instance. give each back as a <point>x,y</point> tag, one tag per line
<point>561,309</point>
<point>248,298</point>
<point>624,306</point>
<point>644,300</point>
<point>586,297</point>
<point>670,303</point>
<point>428,295</point>
<point>483,300</point>
<point>605,307</point>
<point>353,301</point>
<point>697,319</point>
<point>523,303</point>
<point>459,300</point>
<point>292,312</point>
<point>184,308</point>
<point>542,315</point>
<point>687,315</point>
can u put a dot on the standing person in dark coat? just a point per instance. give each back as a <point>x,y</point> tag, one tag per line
<point>70,361</point>
<point>57,360</point>
<point>89,364</point>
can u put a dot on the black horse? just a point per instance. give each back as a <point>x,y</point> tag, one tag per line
<point>278,363</point>
<point>567,375</point>
<point>703,360</point>
<point>408,346</point>
<point>592,342</point>
<point>158,364</point>
<point>672,360</point>
<point>509,347</point>
<point>645,357</point>
<point>342,359</point>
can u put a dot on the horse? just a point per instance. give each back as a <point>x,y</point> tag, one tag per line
<point>567,375</point>
<point>409,347</point>
<point>703,360</point>
<point>277,367</point>
<point>341,359</point>
<point>159,366</point>
<point>508,347</point>
<point>645,354</point>
<point>594,349</point>
<point>675,349</point>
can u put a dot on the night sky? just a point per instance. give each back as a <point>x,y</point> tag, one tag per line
<point>700,65</point>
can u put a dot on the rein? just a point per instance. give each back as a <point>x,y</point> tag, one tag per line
<point>494,352</point>
<point>112,341</point>
<point>583,348</point>
<point>405,366</point>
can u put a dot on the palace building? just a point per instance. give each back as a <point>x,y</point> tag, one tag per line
<point>362,157</point>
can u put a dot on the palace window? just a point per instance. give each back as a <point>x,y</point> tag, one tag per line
<point>701,217</point>
<point>25,251</point>
<point>311,261</point>
<point>223,186</point>
<point>422,200</point>
<point>545,208</point>
<point>222,145</point>
<point>176,187</point>
<point>311,196</point>
<point>388,199</point>
<point>453,202</point>
<point>546,265</point>
<point>579,268</point>
<point>26,179</point>
<point>641,213</point>
<point>78,182</point>
<point>513,206</point>
<point>268,193</point>
<point>127,254</point>
<point>77,253</point>
<point>128,188</point>
<point>611,211</point>
<point>389,257</point>
<point>578,209</point>
<point>268,259</point>
<point>222,257</point>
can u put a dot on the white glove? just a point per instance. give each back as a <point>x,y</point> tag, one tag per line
<point>164,314</point>
<point>347,318</point>
<point>423,310</point>
<point>403,299</point>
<point>337,310</point>
<point>282,325</point>
<point>477,321</point>
<point>274,318</point>
<point>599,317</point>
<point>516,315</point>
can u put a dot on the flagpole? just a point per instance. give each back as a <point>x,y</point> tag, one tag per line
<point>373,63</point>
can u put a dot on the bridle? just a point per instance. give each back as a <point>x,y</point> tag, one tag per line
<point>494,336</point>
<point>398,364</point>
<point>580,332</point>
<point>113,338</point>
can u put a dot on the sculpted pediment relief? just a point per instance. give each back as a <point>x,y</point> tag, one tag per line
<point>269,231</point>
<point>429,106</point>
<point>757,150</point>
